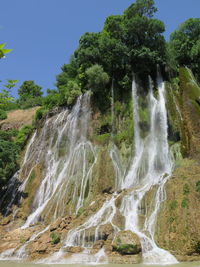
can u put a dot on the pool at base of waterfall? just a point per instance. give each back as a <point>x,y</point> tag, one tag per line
<point>20,264</point>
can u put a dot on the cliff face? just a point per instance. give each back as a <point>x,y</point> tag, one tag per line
<point>179,218</point>
<point>74,172</point>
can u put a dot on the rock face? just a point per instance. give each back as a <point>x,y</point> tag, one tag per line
<point>178,220</point>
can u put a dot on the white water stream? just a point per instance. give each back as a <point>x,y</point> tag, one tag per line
<point>68,161</point>
<point>150,169</point>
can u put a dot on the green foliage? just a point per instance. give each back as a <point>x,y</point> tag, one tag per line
<point>185,45</point>
<point>3,114</point>
<point>173,205</point>
<point>6,100</point>
<point>184,203</point>
<point>40,113</point>
<point>141,8</point>
<point>23,135</point>
<point>197,247</point>
<point>103,139</point>
<point>3,50</point>
<point>198,186</point>
<point>52,99</point>
<point>132,42</point>
<point>29,95</point>
<point>97,78</point>
<point>55,238</point>
<point>186,189</point>
<point>69,92</point>
<point>8,160</point>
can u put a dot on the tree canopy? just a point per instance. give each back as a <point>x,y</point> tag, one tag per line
<point>29,94</point>
<point>185,44</point>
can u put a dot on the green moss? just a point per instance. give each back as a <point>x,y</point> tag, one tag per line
<point>173,205</point>
<point>30,182</point>
<point>80,211</point>
<point>126,249</point>
<point>186,189</point>
<point>103,139</point>
<point>184,203</point>
<point>198,186</point>
<point>55,238</point>
<point>197,247</point>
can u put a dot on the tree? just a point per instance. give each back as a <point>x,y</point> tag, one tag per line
<point>185,44</point>
<point>29,89</point>
<point>5,95</point>
<point>97,78</point>
<point>144,37</point>
<point>29,94</point>
<point>142,8</point>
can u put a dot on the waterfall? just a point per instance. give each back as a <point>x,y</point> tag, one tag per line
<point>151,168</point>
<point>131,177</point>
<point>68,157</point>
<point>65,159</point>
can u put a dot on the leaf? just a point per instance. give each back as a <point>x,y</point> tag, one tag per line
<point>2,45</point>
<point>5,51</point>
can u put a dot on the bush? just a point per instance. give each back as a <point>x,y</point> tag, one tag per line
<point>3,114</point>
<point>30,102</point>
<point>8,160</point>
<point>55,238</point>
<point>23,135</point>
<point>40,113</point>
<point>51,100</point>
<point>197,247</point>
<point>198,186</point>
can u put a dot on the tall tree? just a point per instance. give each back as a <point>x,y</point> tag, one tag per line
<point>185,44</point>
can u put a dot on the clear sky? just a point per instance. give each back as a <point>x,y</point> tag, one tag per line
<point>44,33</point>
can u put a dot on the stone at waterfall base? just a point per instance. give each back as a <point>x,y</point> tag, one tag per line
<point>127,243</point>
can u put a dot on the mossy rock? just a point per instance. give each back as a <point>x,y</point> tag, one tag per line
<point>127,249</point>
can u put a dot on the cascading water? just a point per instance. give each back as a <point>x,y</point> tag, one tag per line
<point>68,159</point>
<point>151,168</point>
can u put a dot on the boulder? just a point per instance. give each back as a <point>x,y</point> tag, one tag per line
<point>126,242</point>
<point>74,249</point>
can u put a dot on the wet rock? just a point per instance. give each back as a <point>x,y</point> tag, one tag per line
<point>98,244</point>
<point>5,221</point>
<point>39,247</point>
<point>55,225</point>
<point>74,249</point>
<point>126,242</point>
<point>119,220</point>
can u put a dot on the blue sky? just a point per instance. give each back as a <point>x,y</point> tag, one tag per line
<point>44,33</point>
